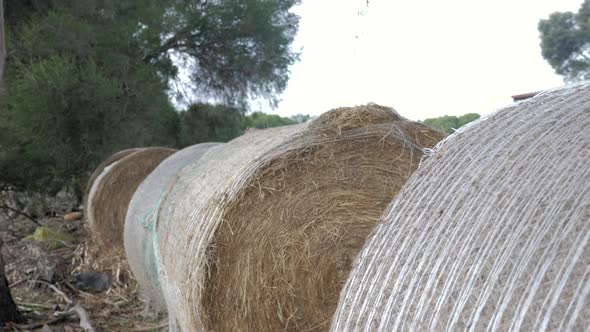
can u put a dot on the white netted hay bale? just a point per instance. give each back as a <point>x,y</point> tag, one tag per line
<point>107,201</point>
<point>490,233</point>
<point>139,234</point>
<point>259,234</point>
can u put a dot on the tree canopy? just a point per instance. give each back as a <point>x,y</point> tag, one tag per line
<point>85,78</point>
<point>232,50</point>
<point>565,42</point>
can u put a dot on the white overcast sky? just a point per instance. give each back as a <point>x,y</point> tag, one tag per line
<point>424,58</point>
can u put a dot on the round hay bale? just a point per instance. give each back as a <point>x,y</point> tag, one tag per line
<point>109,198</point>
<point>491,233</point>
<point>139,234</point>
<point>100,168</point>
<point>259,234</point>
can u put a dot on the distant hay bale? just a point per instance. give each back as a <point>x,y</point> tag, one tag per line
<point>108,198</point>
<point>491,233</point>
<point>141,219</point>
<point>259,234</point>
<point>100,168</point>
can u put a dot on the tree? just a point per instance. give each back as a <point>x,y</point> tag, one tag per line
<point>9,311</point>
<point>449,123</point>
<point>222,123</point>
<point>235,50</point>
<point>99,72</point>
<point>210,123</point>
<point>64,116</point>
<point>92,96</point>
<point>565,42</point>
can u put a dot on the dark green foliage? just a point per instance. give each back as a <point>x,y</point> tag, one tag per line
<point>565,42</point>
<point>220,123</point>
<point>86,78</point>
<point>76,92</point>
<point>210,123</point>
<point>64,116</point>
<point>262,120</point>
<point>449,123</point>
<point>236,49</point>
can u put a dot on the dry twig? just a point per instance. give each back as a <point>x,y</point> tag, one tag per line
<point>76,309</point>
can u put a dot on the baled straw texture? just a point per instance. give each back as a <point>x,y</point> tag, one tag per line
<point>139,234</point>
<point>108,200</point>
<point>100,170</point>
<point>259,234</point>
<point>491,233</point>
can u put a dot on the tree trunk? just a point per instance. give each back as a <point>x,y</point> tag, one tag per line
<point>8,312</point>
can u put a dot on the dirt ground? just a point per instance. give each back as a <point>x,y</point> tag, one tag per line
<point>42,283</point>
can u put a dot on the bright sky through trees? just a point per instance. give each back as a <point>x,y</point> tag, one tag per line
<point>424,58</point>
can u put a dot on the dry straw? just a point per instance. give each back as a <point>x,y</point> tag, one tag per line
<point>108,198</point>
<point>142,213</point>
<point>490,234</point>
<point>259,234</point>
<point>101,167</point>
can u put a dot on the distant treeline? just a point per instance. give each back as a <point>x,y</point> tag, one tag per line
<point>449,123</point>
<point>220,123</point>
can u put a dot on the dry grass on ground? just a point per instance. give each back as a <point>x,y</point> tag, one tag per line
<point>118,309</point>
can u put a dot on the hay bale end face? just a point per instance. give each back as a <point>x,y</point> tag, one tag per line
<point>100,168</point>
<point>259,234</point>
<point>492,233</point>
<point>142,216</point>
<point>108,199</point>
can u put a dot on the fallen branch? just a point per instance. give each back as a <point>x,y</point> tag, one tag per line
<point>57,290</point>
<point>14,284</point>
<point>35,305</point>
<point>26,215</point>
<point>76,309</point>
<point>32,326</point>
<point>84,318</point>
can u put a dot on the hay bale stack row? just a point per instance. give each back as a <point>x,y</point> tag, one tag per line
<point>259,234</point>
<point>142,214</point>
<point>491,233</point>
<point>109,192</point>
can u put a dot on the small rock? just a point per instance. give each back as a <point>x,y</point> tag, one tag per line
<point>64,200</point>
<point>93,281</point>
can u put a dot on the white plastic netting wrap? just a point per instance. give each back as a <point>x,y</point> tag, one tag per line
<point>141,217</point>
<point>491,233</point>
